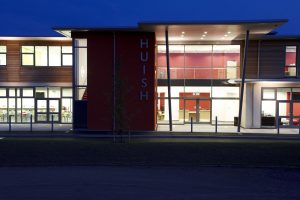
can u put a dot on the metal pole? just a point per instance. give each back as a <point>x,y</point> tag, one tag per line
<point>52,123</point>
<point>243,81</point>
<point>191,124</point>
<point>299,125</point>
<point>278,124</point>
<point>30,123</point>
<point>9,123</point>
<point>216,125</point>
<point>169,79</point>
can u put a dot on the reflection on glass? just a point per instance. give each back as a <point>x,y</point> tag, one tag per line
<point>42,106</point>
<point>3,109</point>
<point>41,56</point>
<point>28,109</point>
<point>53,106</point>
<point>66,110</point>
<point>54,92</point>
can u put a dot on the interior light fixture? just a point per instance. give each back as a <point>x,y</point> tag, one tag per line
<point>225,35</point>
<point>228,32</point>
<point>182,32</point>
<point>203,35</point>
<point>202,38</point>
<point>205,32</point>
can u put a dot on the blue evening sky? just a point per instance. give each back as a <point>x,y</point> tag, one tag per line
<point>37,17</point>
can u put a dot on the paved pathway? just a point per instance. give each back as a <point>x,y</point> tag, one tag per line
<point>88,183</point>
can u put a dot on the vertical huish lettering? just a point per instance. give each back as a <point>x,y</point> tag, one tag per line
<point>144,58</point>
<point>144,95</point>
<point>144,43</point>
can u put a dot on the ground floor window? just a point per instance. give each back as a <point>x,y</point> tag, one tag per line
<point>39,104</point>
<point>282,104</point>
<point>198,104</point>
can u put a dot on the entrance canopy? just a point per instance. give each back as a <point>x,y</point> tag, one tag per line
<point>211,31</point>
<point>192,31</point>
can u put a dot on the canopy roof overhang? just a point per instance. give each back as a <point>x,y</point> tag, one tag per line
<point>192,31</point>
<point>212,31</point>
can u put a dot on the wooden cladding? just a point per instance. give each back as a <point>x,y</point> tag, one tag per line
<point>266,58</point>
<point>272,60</point>
<point>14,72</point>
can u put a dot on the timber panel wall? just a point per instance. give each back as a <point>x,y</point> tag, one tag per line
<point>272,58</point>
<point>14,72</point>
<point>252,62</point>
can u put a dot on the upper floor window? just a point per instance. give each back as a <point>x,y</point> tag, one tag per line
<point>53,56</point>
<point>2,55</point>
<point>290,68</point>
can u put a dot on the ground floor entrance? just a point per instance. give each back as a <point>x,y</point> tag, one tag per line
<point>197,111</point>
<point>47,110</point>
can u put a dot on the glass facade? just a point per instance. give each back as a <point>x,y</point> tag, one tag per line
<point>282,103</point>
<point>198,103</point>
<point>199,61</point>
<point>80,46</point>
<point>19,104</point>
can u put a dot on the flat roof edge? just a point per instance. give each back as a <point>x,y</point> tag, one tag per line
<point>49,38</point>
<point>214,22</point>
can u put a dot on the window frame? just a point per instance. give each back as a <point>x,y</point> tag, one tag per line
<point>5,54</point>
<point>48,56</point>
<point>287,66</point>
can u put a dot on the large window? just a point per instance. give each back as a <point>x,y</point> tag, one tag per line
<point>80,69</point>
<point>2,55</point>
<point>43,56</point>
<point>290,69</point>
<point>199,61</point>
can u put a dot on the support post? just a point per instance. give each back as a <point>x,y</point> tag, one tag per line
<point>216,125</point>
<point>191,124</point>
<point>9,123</point>
<point>52,123</point>
<point>243,81</point>
<point>299,125</point>
<point>278,124</point>
<point>30,123</point>
<point>169,79</point>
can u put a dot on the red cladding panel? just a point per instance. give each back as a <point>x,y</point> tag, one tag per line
<point>100,69</point>
<point>136,76</point>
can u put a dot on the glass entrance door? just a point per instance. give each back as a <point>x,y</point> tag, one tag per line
<point>197,110</point>
<point>46,108</point>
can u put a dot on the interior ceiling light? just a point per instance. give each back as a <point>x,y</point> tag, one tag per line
<point>205,32</point>
<point>182,32</point>
<point>202,38</point>
<point>228,32</point>
<point>203,35</point>
<point>225,35</point>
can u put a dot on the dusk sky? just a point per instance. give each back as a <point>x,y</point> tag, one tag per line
<point>37,17</point>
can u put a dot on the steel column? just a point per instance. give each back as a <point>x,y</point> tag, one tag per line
<point>243,81</point>
<point>169,79</point>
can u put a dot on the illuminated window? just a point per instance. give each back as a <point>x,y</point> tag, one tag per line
<point>2,55</point>
<point>53,56</point>
<point>290,69</point>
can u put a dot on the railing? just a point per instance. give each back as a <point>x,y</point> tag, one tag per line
<point>199,73</point>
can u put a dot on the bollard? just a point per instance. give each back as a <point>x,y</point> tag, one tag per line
<point>30,123</point>
<point>278,124</point>
<point>52,123</point>
<point>9,123</point>
<point>191,124</point>
<point>216,125</point>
